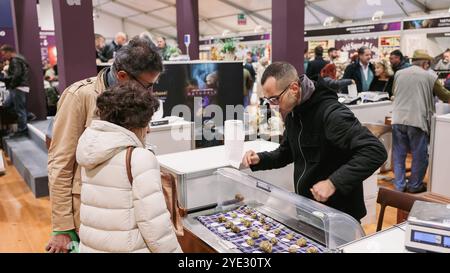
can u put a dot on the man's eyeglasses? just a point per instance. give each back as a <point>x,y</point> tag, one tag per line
<point>147,85</point>
<point>275,100</point>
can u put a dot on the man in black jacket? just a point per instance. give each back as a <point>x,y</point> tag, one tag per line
<point>361,71</point>
<point>17,82</point>
<point>316,65</point>
<point>119,41</point>
<point>332,152</point>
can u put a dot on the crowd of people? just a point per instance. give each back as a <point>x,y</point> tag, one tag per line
<point>106,53</point>
<point>101,193</point>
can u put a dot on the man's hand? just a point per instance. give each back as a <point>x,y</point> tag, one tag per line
<point>59,244</point>
<point>250,159</point>
<point>323,190</point>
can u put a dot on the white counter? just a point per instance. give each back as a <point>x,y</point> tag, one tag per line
<point>440,156</point>
<point>374,112</point>
<point>391,240</point>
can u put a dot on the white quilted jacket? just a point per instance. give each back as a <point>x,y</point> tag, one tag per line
<point>115,216</point>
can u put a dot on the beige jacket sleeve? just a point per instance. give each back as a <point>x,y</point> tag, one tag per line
<point>152,216</point>
<point>74,109</point>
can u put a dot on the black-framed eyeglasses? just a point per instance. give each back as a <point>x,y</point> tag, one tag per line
<point>275,100</point>
<point>147,85</point>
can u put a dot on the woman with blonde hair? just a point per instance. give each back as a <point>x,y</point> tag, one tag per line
<point>383,78</point>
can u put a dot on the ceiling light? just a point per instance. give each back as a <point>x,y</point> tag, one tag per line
<point>328,21</point>
<point>378,15</point>
<point>373,2</point>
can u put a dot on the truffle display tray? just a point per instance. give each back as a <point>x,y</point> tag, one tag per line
<point>239,239</point>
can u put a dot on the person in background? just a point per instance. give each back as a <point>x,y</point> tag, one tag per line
<point>447,82</point>
<point>248,85</point>
<point>316,65</point>
<point>133,216</point>
<point>383,78</point>
<point>306,60</point>
<point>249,65</point>
<point>111,49</point>
<point>332,152</point>
<point>135,62</point>
<point>161,42</point>
<point>99,47</point>
<point>328,79</point>
<point>444,63</point>
<point>260,68</point>
<point>398,61</point>
<point>334,54</point>
<point>361,71</point>
<point>17,79</point>
<point>414,106</point>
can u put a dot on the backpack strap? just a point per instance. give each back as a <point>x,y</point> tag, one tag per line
<point>128,164</point>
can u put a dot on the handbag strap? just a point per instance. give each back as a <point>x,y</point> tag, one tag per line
<point>128,164</point>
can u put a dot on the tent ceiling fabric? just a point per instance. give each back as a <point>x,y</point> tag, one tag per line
<point>216,16</point>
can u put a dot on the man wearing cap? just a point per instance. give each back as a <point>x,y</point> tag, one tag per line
<point>413,109</point>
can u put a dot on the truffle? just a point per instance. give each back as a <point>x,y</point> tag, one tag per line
<point>266,227</point>
<point>235,229</point>
<point>274,241</point>
<point>254,234</point>
<point>301,242</point>
<point>289,236</point>
<point>277,231</point>
<point>266,246</point>
<point>233,215</point>
<point>250,242</point>
<point>247,223</point>
<point>253,216</point>
<point>262,220</point>
<point>312,249</point>
<point>228,225</point>
<point>221,219</point>
<point>293,249</point>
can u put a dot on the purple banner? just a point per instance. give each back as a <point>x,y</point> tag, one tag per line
<point>395,26</point>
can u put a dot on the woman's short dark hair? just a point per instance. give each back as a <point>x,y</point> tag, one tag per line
<point>137,57</point>
<point>128,105</point>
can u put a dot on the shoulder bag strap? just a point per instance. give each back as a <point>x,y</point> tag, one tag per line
<point>128,164</point>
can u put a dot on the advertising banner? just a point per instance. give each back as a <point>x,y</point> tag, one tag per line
<point>427,23</point>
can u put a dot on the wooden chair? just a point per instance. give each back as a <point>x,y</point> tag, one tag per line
<point>395,199</point>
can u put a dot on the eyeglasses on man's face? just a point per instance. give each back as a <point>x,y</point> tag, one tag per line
<point>147,85</point>
<point>275,100</point>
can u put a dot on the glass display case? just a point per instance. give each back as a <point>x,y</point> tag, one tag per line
<point>254,216</point>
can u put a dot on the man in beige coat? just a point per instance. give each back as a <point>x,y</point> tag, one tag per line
<point>138,61</point>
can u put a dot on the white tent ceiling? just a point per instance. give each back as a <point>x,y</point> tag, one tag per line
<point>159,16</point>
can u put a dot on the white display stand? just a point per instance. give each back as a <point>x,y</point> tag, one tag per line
<point>440,156</point>
<point>374,112</point>
<point>391,240</point>
<point>161,138</point>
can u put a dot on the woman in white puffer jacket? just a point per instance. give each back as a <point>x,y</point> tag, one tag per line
<point>117,216</point>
